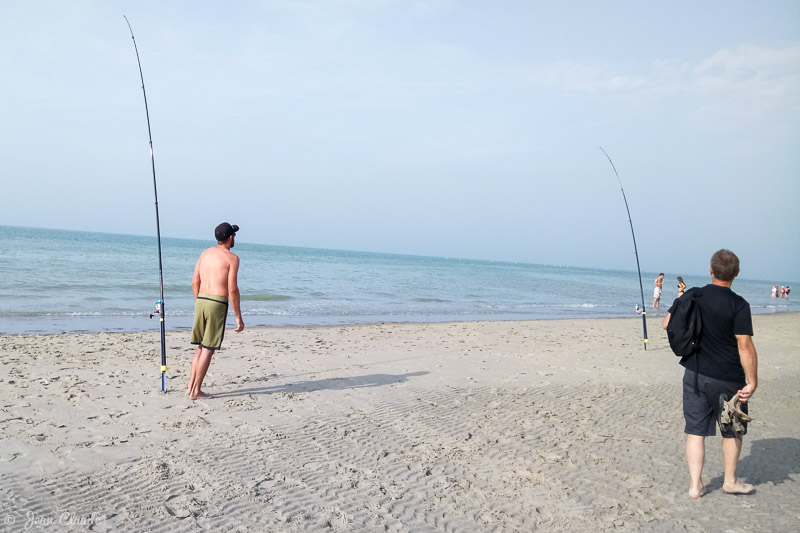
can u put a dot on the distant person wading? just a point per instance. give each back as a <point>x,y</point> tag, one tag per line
<point>659,283</point>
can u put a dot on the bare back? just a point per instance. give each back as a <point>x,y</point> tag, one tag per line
<point>216,272</point>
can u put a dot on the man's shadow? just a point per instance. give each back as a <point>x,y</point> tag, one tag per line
<point>353,382</point>
<point>769,460</point>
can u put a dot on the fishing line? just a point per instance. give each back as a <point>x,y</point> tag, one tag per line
<point>159,304</point>
<point>635,250</point>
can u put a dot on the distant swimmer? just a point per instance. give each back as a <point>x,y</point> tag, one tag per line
<point>213,284</point>
<point>659,283</point>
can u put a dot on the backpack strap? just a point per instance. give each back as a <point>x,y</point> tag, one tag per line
<point>696,294</point>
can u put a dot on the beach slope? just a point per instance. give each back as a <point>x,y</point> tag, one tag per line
<point>549,425</point>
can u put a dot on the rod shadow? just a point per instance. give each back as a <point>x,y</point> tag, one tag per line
<point>353,382</point>
<point>769,461</point>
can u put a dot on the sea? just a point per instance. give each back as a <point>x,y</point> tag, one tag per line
<point>54,281</point>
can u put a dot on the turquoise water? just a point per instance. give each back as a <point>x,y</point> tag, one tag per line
<point>54,280</point>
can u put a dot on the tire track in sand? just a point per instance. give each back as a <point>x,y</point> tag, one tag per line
<point>575,457</point>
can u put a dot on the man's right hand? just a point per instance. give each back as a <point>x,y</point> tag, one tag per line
<point>239,325</point>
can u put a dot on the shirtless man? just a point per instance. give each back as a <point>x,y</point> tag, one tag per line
<point>214,281</point>
<point>657,291</point>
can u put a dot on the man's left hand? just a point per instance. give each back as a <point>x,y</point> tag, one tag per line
<point>746,393</point>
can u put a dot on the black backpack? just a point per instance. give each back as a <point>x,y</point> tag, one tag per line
<point>685,325</point>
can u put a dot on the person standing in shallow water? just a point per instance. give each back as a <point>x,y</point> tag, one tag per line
<point>659,283</point>
<point>726,363</point>
<point>214,282</point>
<point>681,286</point>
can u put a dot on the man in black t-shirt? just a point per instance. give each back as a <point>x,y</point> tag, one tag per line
<point>726,363</point>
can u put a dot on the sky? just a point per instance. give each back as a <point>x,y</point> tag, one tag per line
<point>467,129</point>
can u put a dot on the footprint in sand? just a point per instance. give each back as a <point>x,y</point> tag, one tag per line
<point>181,506</point>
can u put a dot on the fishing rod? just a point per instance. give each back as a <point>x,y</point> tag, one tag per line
<point>635,250</point>
<point>159,304</point>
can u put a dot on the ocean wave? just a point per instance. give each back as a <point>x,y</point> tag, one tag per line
<point>147,287</point>
<point>266,297</point>
<point>70,314</point>
<point>770,306</point>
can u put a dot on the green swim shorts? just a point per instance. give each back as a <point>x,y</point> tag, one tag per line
<point>210,312</point>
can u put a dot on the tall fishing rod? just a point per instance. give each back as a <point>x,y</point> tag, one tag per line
<point>159,304</point>
<point>635,249</point>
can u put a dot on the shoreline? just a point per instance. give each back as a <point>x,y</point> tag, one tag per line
<point>562,424</point>
<point>431,320</point>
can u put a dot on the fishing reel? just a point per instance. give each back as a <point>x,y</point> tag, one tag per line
<point>159,309</point>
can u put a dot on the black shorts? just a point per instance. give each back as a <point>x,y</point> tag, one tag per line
<point>701,409</point>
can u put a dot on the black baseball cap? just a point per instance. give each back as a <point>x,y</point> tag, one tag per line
<point>225,230</point>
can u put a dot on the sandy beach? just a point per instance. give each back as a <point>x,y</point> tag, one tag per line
<point>549,425</point>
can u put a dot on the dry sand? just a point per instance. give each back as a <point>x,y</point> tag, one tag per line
<point>552,425</point>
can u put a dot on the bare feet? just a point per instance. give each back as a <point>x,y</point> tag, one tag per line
<point>201,396</point>
<point>738,487</point>
<point>697,493</point>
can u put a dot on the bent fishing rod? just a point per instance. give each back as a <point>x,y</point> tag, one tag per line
<point>635,249</point>
<point>159,304</point>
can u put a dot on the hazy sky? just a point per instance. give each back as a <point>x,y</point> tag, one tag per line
<point>447,128</point>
